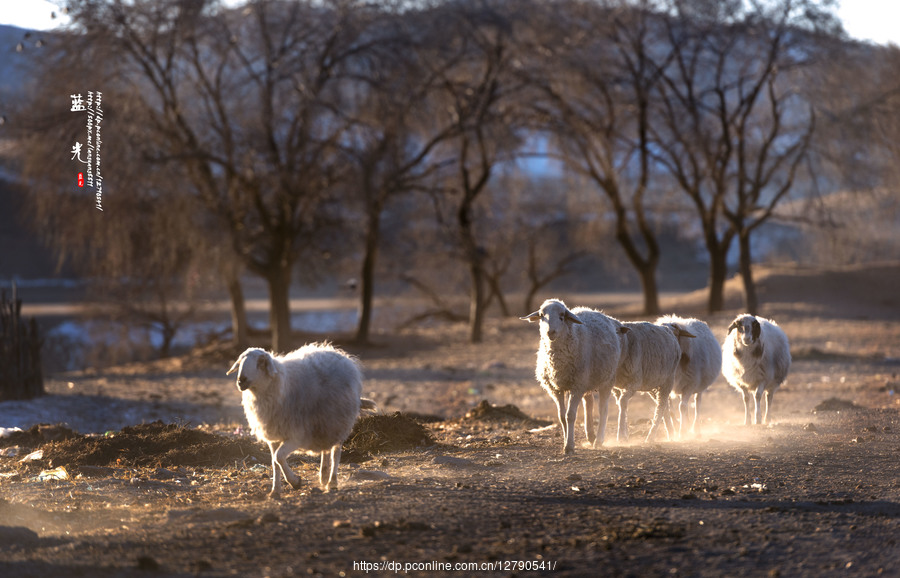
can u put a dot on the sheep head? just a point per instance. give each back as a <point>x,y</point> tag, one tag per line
<point>555,319</point>
<point>684,339</point>
<point>255,367</point>
<point>748,329</point>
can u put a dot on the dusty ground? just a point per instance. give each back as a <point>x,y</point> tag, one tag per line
<point>816,493</point>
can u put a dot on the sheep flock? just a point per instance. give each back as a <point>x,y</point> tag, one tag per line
<point>310,398</point>
<point>672,357</point>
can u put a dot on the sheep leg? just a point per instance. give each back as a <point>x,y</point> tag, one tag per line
<point>696,413</point>
<point>664,409</point>
<point>324,468</point>
<point>276,473</point>
<point>758,398</point>
<point>659,416</point>
<point>280,467</point>
<point>588,402</point>
<point>328,468</point>
<point>603,414</point>
<point>561,415</point>
<point>683,404</point>
<point>622,401</point>
<point>335,462</point>
<point>571,413</point>
<point>748,404</point>
<point>770,395</point>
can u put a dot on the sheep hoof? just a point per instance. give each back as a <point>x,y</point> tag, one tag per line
<point>296,485</point>
<point>273,495</point>
<point>568,451</point>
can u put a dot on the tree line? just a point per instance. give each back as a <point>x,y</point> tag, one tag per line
<point>269,137</point>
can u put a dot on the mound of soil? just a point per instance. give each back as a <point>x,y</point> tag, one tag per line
<point>36,435</point>
<point>507,415</point>
<point>375,434</point>
<point>835,404</point>
<point>155,444</point>
<point>162,445</point>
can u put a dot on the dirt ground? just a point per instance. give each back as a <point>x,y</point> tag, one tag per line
<point>457,486</point>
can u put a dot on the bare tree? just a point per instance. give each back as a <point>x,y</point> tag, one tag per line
<point>733,131</point>
<point>600,74</point>
<point>146,251</point>
<point>478,92</point>
<point>248,101</point>
<point>394,135</point>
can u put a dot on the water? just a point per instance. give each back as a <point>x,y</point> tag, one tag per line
<point>76,343</point>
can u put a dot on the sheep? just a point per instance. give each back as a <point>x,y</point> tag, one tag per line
<point>578,353</point>
<point>308,399</point>
<point>756,357</point>
<point>700,365</point>
<point>648,362</point>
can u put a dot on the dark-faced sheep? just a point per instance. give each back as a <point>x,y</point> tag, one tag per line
<point>578,353</point>
<point>756,360</point>
<point>306,400</point>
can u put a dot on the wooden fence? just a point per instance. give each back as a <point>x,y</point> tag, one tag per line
<point>20,352</point>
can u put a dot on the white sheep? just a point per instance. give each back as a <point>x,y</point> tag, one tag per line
<point>700,365</point>
<point>308,399</point>
<point>578,353</point>
<point>756,359</point>
<point>648,362</point>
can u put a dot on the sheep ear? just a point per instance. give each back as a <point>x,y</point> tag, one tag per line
<point>573,318</point>
<point>756,329</point>
<point>233,367</point>
<point>685,333</point>
<point>679,331</point>
<point>266,364</point>
<point>532,317</point>
<point>622,330</point>
<point>236,363</point>
<point>734,325</point>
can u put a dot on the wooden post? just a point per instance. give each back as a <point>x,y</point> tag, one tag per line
<point>21,376</point>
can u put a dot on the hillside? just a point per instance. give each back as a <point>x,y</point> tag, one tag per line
<point>866,291</point>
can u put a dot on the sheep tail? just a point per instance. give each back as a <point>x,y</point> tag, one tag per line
<point>366,404</point>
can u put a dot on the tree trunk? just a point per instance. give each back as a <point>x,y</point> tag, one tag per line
<point>168,336</point>
<point>718,271</point>
<point>474,256</point>
<point>279,280</point>
<point>651,291</point>
<point>238,312</point>
<point>367,278</point>
<point>751,301</point>
<point>476,302</point>
<point>718,267</point>
<point>493,282</point>
<point>645,266</point>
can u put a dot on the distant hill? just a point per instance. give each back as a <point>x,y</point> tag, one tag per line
<point>866,291</point>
